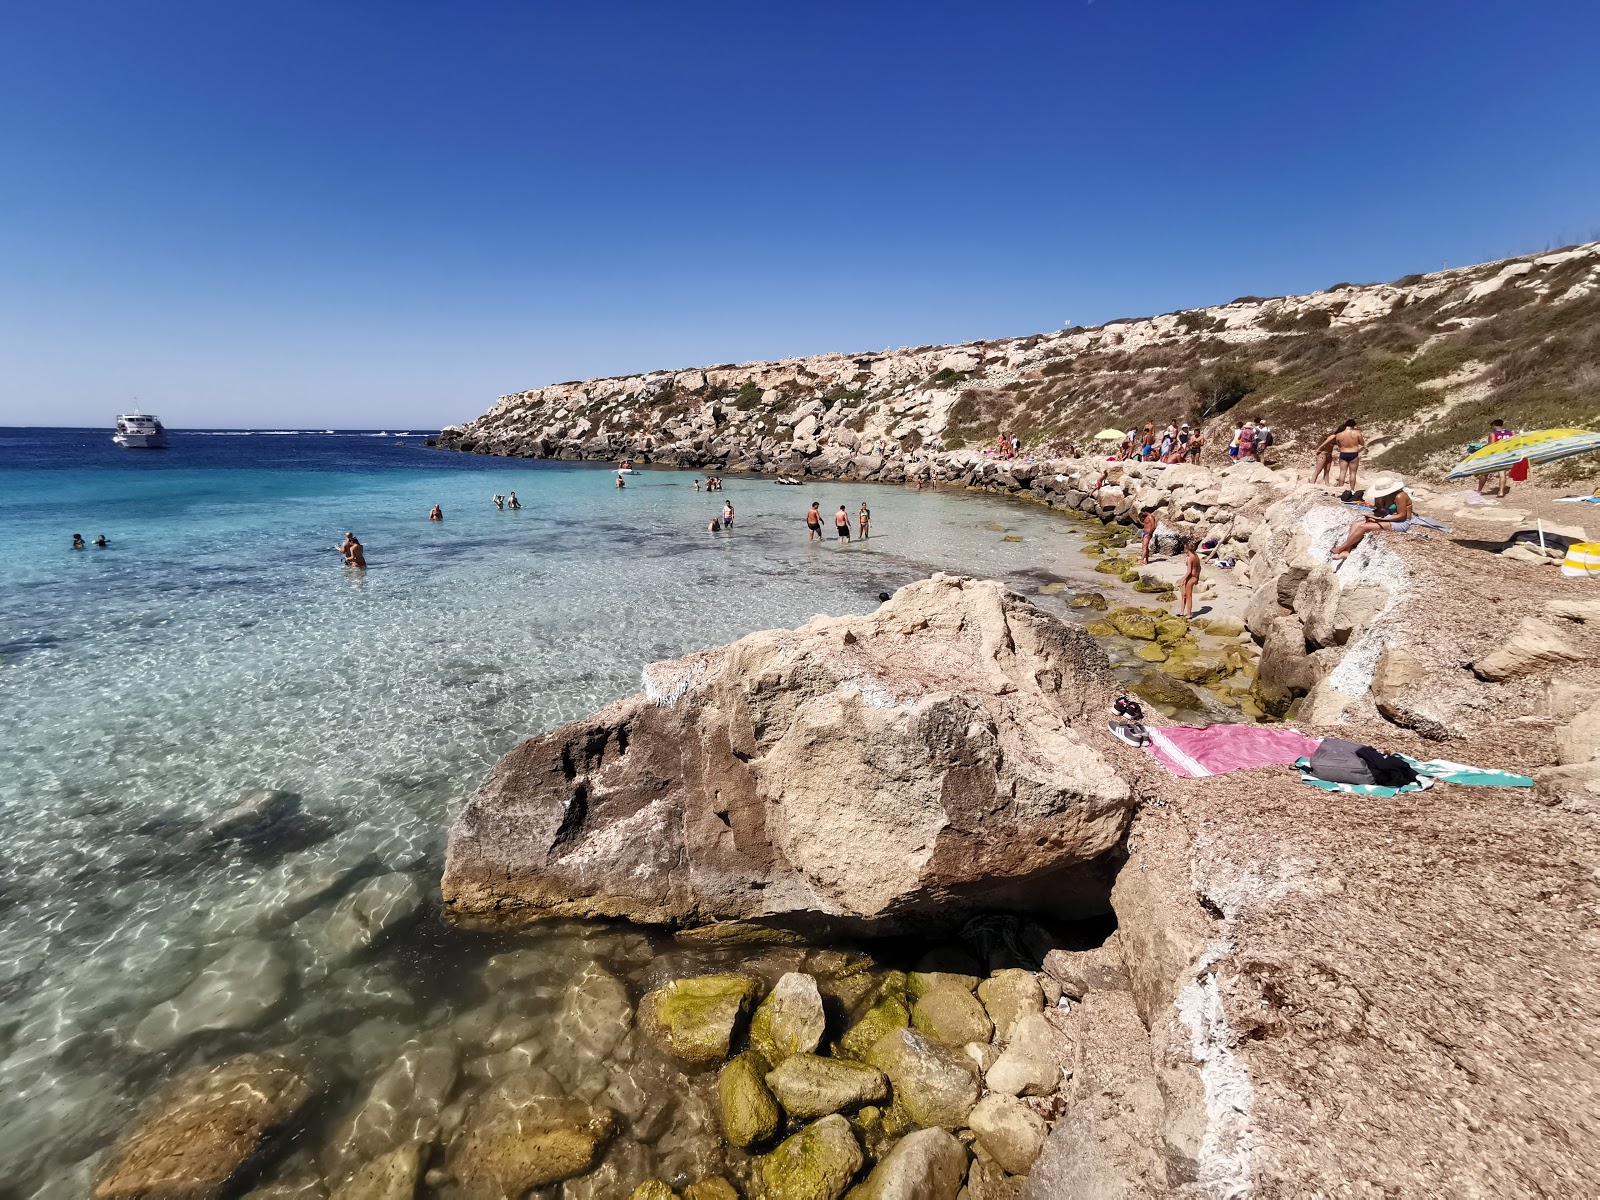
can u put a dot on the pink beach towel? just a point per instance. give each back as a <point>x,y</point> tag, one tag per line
<point>1196,751</point>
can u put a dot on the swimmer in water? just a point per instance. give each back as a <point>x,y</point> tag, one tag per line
<point>499,502</point>
<point>100,542</point>
<point>621,483</point>
<point>814,523</point>
<point>77,541</point>
<point>354,555</point>
<point>512,501</point>
<point>437,514</point>
<point>727,514</point>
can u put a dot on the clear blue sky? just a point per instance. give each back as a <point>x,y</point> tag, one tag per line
<point>388,213</point>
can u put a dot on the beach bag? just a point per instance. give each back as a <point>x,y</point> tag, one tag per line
<point>1263,438</point>
<point>1339,761</point>
<point>1582,561</point>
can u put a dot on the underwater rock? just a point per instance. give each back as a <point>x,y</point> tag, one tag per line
<point>391,1176</point>
<point>201,1128</point>
<point>520,1135</point>
<point>749,1112</point>
<point>808,1085</point>
<point>401,1108</point>
<point>884,770</point>
<point>374,911</point>
<point>695,1018</point>
<point>236,991</point>
<point>888,1013</point>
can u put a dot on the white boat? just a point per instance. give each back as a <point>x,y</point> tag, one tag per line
<point>626,467</point>
<point>137,431</point>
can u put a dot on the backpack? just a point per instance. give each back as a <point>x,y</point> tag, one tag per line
<point>1264,438</point>
<point>1339,761</point>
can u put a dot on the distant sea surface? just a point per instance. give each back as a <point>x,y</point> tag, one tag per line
<point>218,644</point>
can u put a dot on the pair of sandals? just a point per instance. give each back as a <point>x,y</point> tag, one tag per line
<point>1131,728</point>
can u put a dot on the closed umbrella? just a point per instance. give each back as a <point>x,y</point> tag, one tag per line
<point>1108,435</point>
<point>1547,445</point>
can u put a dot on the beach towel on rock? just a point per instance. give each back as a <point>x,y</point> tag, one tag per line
<point>1446,771</point>
<point>1198,751</point>
<point>1360,789</point>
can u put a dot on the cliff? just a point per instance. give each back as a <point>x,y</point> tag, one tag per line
<point>1424,363</point>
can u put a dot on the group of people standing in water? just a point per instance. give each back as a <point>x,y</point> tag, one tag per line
<point>841,523</point>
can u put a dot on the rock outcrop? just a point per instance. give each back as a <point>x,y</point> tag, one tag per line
<point>874,771</point>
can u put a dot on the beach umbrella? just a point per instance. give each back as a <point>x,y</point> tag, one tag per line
<point>1547,445</point>
<point>1106,435</point>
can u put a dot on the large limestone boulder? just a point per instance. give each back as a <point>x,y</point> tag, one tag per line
<point>200,1130</point>
<point>934,1085</point>
<point>936,754</point>
<point>1532,646</point>
<point>1008,996</point>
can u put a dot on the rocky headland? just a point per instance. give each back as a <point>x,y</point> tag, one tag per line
<point>1423,363</point>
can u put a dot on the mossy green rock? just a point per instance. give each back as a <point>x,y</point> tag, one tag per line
<point>1151,586</point>
<point>1151,652</point>
<point>1100,629</point>
<point>1161,688</point>
<point>1112,566</point>
<point>1170,630</point>
<point>790,1020</point>
<point>517,1139</point>
<point>1092,600</point>
<point>1092,550</point>
<point>1050,589</point>
<point>653,1189</point>
<point>808,1085</point>
<point>951,1014</point>
<point>934,1085</point>
<point>1128,576</point>
<point>1197,670</point>
<point>1221,627</point>
<point>713,1188</point>
<point>695,1018</point>
<point>1133,623</point>
<point>749,1112</point>
<point>817,1163</point>
<point>886,1015</point>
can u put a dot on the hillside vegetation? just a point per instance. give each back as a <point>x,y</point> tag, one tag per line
<point>1423,363</point>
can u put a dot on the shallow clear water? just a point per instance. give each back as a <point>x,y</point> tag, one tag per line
<point>219,645</point>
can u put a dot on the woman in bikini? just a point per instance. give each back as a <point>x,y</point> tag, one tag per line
<point>1391,511</point>
<point>863,522</point>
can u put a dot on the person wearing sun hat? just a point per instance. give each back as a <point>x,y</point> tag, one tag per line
<point>1391,510</point>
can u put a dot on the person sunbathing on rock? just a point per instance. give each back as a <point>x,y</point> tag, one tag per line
<point>1391,510</point>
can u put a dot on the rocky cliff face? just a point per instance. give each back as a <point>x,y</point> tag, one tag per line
<point>885,770</point>
<point>1424,363</point>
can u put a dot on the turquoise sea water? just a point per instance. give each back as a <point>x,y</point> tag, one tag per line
<point>218,644</point>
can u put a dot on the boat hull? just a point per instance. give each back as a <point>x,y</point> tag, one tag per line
<point>141,441</point>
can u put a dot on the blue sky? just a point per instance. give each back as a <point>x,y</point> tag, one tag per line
<point>380,214</point>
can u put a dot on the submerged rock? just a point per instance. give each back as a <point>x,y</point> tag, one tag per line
<point>926,1165</point>
<point>391,1176</point>
<point>817,1163</point>
<point>750,1114</point>
<point>521,1136</point>
<point>933,1085</point>
<point>695,1018</point>
<point>236,991</point>
<point>886,1015</point>
<point>202,1128</point>
<point>882,769</point>
<point>374,911</point>
<point>808,1085</point>
<point>402,1107</point>
<point>790,1020</point>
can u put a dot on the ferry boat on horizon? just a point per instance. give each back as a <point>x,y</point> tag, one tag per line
<point>137,431</point>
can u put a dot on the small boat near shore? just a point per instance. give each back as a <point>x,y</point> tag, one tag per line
<point>626,467</point>
<point>139,431</point>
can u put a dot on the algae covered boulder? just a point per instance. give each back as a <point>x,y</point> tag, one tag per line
<point>926,1165</point>
<point>1090,600</point>
<point>1100,629</point>
<point>749,1112</point>
<point>817,1163</point>
<point>808,1085</point>
<point>653,1189</point>
<point>695,1018</point>
<point>1010,995</point>
<point>885,1016</point>
<point>203,1127</point>
<point>1171,629</point>
<point>951,1014</point>
<point>714,1188</point>
<point>1151,652</point>
<point>1160,688</point>
<point>1133,623</point>
<point>934,1085</point>
<point>790,1020</point>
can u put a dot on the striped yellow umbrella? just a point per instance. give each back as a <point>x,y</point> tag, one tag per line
<point>1547,445</point>
<point>1106,435</point>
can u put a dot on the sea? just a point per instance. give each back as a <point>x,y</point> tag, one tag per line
<point>218,644</point>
